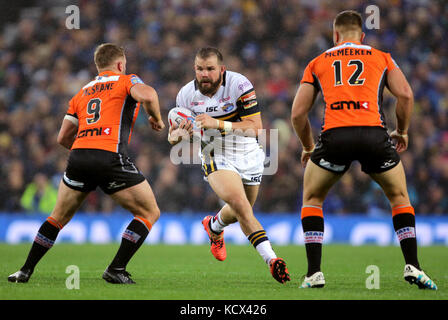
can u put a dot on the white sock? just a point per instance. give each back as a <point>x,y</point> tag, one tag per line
<point>216,223</point>
<point>266,252</point>
<point>261,243</point>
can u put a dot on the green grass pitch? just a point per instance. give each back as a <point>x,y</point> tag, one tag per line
<point>188,272</point>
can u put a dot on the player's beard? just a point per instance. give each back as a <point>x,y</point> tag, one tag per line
<point>212,88</point>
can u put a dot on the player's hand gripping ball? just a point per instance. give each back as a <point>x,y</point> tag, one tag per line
<point>177,115</point>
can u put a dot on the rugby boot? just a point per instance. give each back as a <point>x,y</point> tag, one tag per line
<point>117,276</point>
<point>21,275</point>
<point>278,270</point>
<point>418,277</point>
<point>316,280</point>
<point>217,245</point>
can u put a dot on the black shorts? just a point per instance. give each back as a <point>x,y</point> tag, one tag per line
<point>371,146</point>
<point>90,168</point>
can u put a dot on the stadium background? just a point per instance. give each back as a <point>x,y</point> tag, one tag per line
<point>43,64</point>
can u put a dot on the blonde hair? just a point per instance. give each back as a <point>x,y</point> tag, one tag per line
<point>106,54</point>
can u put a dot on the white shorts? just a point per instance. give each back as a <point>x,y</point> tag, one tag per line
<point>249,166</point>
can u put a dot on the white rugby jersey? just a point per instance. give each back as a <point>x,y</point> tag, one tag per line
<point>234,100</point>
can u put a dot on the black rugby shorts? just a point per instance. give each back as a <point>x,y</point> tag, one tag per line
<point>371,146</point>
<point>90,168</point>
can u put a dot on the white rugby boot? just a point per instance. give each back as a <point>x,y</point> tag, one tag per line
<point>316,280</point>
<point>413,275</point>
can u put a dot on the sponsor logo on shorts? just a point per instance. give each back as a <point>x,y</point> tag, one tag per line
<point>114,185</point>
<point>388,163</point>
<point>331,166</point>
<point>256,178</point>
<point>72,183</point>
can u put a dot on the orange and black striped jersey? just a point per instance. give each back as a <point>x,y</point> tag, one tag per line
<point>106,112</point>
<point>351,77</point>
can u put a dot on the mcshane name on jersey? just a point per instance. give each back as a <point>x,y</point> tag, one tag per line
<point>98,88</point>
<point>348,52</point>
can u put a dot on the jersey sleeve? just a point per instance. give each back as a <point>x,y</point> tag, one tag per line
<point>130,81</point>
<point>309,77</point>
<point>247,104</point>
<point>390,63</point>
<point>71,114</point>
<point>71,108</point>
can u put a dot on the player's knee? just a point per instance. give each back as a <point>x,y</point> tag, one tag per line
<point>396,193</point>
<point>62,216</point>
<point>155,214</point>
<point>398,197</point>
<point>309,197</point>
<point>240,205</point>
<point>151,214</point>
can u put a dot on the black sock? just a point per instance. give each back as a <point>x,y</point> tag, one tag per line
<point>404,225</point>
<point>132,239</point>
<point>43,241</point>
<point>313,230</point>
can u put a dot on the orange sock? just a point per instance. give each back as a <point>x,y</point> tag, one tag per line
<point>403,209</point>
<point>144,221</point>
<point>54,223</point>
<point>312,210</point>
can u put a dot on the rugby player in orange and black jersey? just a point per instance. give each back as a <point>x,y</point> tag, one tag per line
<point>351,77</point>
<point>105,113</point>
<point>97,129</point>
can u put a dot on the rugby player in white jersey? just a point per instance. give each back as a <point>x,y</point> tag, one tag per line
<point>227,112</point>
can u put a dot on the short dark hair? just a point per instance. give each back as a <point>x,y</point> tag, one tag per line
<point>206,52</point>
<point>348,20</point>
<point>106,54</point>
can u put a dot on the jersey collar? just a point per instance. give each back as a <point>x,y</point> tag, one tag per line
<point>224,79</point>
<point>345,42</point>
<point>106,73</point>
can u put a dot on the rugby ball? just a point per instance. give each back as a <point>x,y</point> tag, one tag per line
<point>178,114</point>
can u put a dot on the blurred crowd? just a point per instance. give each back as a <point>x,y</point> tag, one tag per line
<point>43,64</point>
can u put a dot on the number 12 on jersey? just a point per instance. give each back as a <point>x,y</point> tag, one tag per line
<point>354,78</point>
